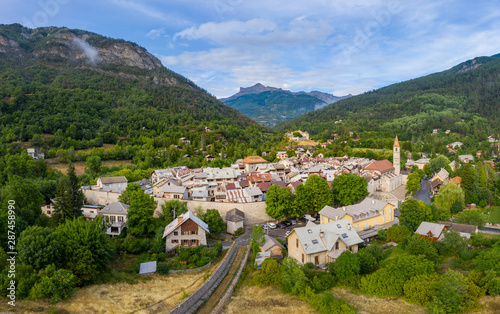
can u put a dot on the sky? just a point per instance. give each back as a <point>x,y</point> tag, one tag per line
<point>338,47</point>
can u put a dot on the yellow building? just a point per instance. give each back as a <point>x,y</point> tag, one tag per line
<point>323,243</point>
<point>367,214</point>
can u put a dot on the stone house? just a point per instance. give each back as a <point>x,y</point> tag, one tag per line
<point>112,184</point>
<point>116,214</point>
<point>187,230</point>
<point>235,219</point>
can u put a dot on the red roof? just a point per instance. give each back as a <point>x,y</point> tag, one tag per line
<point>260,177</point>
<point>382,165</point>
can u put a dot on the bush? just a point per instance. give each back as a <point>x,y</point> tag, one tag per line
<point>162,268</point>
<point>382,235</point>
<point>417,290</point>
<point>326,303</point>
<point>54,284</point>
<point>367,262</point>
<point>416,245</point>
<point>203,261</point>
<point>346,266</point>
<point>322,282</point>
<point>397,233</point>
<point>238,232</point>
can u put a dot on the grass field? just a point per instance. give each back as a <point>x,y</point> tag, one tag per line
<point>494,215</point>
<point>80,165</point>
<point>307,142</point>
<point>121,297</point>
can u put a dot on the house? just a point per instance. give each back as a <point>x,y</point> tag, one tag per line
<point>435,186</point>
<point>187,230</point>
<point>442,175</point>
<point>304,136</point>
<point>185,140</point>
<point>453,165</point>
<point>491,139</point>
<point>368,213</point>
<point>272,245</point>
<point>48,209</point>
<point>422,162</point>
<point>116,214</point>
<point>281,155</point>
<point>32,152</point>
<point>112,184</point>
<point>238,196</point>
<point>479,154</point>
<point>435,131</point>
<point>210,158</point>
<point>174,192</point>
<point>466,158</point>
<point>200,194</point>
<point>431,231</point>
<point>266,153</point>
<point>323,243</point>
<point>251,163</point>
<point>160,174</point>
<point>255,193</point>
<point>235,219</point>
<point>464,230</point>
<point>158,186</point>
<point>207,129</point>
<point>90,211</point>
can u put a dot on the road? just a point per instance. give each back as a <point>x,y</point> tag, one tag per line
<point>424,193</point>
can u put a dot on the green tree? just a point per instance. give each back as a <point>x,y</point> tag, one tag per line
<point>214,221</point>
<point>346,266</point>
<point>271,272</point>
<point>419,246</point>
<point>39,247</point>
<point>471,217</point>
<point>278,202</point>
<point>54,284</point>
<point>413,183</point>
<point>76,194</point>
<point>448,195</point>
<point>93,166</point>
<point>87,249</point>
<point>348,189</point>
<point>140,213</point>
<point>439,162</point>
<point>320,193</point>
<point>417,290</point>
<point>125,196</point>
<point>172,209</point>
<point>367,262</point>
<point>412,214</point>
<point>257,239</point>
<point>293,280</point>
<point>453,242</point>
<point>397,233</point>
<point>302,201</point>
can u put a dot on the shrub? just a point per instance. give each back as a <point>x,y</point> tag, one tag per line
<point>322,282</point>
<point>417,290</point>
<point>346,266</point>
<point>416,245</point>
<point>54,284</point>
<point>162,268</point>
<point>326,303</point>
<point>203,261</point>
<point>367,262</point>
<point>382,235</point>
<point>397,233</point>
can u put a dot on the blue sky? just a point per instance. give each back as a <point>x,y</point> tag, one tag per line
<point>334,46</point>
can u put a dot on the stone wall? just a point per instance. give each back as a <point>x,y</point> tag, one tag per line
<point>255,213</point>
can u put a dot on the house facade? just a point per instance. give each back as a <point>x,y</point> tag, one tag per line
<point>364,215</point>
<point>187,230</point>
<point>323,243</point>
<point>112,184</point>
<point>235,219</point>
<point>116,214</point>
<point>273,246</point>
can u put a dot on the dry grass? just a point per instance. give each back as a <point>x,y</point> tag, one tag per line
<point>308,142</point>
<point>263,300</point>
<point>490,305</point>
<point>373,305</point>
<point>127,298</point>
<point>80,165</point>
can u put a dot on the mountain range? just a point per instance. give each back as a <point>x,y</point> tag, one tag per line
<point>77,88</point>
<point>464,99</point>
<point>270,105</point>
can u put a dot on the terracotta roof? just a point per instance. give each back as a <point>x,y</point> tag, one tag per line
<point>381,165</point>
<point>456,180</point>
<point>254,160</point>
<point>396,142</point>
<point>260,177</point>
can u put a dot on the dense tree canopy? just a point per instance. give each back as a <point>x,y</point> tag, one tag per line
<point>140,213</point>
<point>348,189</point>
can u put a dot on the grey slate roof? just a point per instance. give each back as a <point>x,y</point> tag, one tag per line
<point>425,227</point>
<point>235,215</point>
<point>270,242</point>
<point>173,189</point>
<point>254,191</point>
<point>318,238</point>
<point>115,208</point>
<point>183,218</point>
<point>108,180</point>
<point>368,208</point>
<point>199,193</point>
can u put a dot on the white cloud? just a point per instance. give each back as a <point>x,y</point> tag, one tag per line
<point>156,33</point>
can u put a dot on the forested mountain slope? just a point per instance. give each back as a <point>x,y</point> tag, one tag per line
<point>72,88</point>
<point>464,99</point>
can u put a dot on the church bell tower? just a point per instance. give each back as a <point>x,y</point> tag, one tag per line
<point>396,156</point>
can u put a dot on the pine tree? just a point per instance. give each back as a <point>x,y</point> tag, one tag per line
<point>76,194</point>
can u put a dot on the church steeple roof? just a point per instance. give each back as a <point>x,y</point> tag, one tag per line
<point>396,142</point>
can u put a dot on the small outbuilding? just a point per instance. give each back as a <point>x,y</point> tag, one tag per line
<point>234,219</point>
<point>272,245</point>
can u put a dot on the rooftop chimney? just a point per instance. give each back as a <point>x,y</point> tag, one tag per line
<point>343,208</point>
<point>322,234</point>
<point>373,201</point>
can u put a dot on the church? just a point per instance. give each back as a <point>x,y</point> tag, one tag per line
<point>388,174</point>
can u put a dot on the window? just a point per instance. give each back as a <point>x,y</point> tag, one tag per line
<point>48,212</point>
<point>185,242</point>
<point>337,245</point>
<point>390,217</point>
<point>357,227</point>
<point>344,235</point>
<point>194,242</point>
<point>185,232</point>
<point>302,258</point>
<point>390,210</point>
<point>175,241</point>
<point>309,231</point>
<point>366,225</point>
<point>176,233</point>
<point>296,242</point>
<point>176,196</point>
<point>383,219</point>
<point>339,226</point>
<point>383,211</point>
<point>375,222</point>
<point>316,260</point>
<point>315,242</point>
<point>194,232</point>
<point>120,218</point>
<point>114,230</point>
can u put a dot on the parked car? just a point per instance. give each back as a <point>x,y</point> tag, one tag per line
<point>271,225</point>
<point>293,222</point>
<point>288,232</point>
<point>281,225</point>
<point>287,223</point>
<point>265,227</point>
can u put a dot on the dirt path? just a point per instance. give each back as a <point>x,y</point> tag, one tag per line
<point>219,292</point>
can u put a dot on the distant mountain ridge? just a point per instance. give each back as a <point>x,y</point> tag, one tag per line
<point>270,105</point>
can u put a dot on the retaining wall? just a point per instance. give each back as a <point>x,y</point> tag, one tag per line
<point>255,213</point>
<point>196,299</point>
